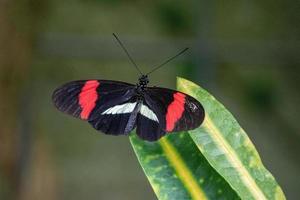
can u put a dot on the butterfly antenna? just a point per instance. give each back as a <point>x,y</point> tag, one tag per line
<point>128,55</point>
<point>159,66</point>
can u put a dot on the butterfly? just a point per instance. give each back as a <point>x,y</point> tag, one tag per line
<point>116,108</point>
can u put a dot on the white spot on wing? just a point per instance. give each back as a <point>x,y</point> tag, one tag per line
<point>145,111</point>
<point>128,108</point>
<point>120,109</point>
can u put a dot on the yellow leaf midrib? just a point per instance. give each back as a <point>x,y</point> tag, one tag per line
<point>183,172</point>
<point>233,159</point>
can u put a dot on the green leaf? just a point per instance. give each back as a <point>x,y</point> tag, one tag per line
<point>176,169</point>
<point>228,149</point>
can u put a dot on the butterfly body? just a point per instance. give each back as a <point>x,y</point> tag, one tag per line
<point>116,108</point>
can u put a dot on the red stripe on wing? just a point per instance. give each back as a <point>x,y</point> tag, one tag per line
<point>175,110</point>
<point>88,97</point>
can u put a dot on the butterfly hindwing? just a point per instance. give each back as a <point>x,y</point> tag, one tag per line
<point>148,122</point>
<point>116,120</point>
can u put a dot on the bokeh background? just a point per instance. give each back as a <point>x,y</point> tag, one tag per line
<point>246,53</point>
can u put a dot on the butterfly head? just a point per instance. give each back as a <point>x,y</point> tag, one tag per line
<point>143,81</point>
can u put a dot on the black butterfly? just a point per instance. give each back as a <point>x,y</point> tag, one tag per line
<point>116,108</point>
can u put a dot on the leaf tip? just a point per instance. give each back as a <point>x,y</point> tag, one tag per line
<point>183,81</point>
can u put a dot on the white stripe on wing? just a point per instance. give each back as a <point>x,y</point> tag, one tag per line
<point>128,108</point>
<point>120,109</point>
<point>145,111</point>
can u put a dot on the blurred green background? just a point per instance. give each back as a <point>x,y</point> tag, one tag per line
<point>246,53</point>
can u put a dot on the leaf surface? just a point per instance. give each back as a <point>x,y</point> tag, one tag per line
<point>176,169</point>
<point>229,150</point>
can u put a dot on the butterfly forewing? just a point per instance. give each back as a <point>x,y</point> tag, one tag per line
<point>81,98</point>
<point>177,111</point>
<point>66,98</point>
